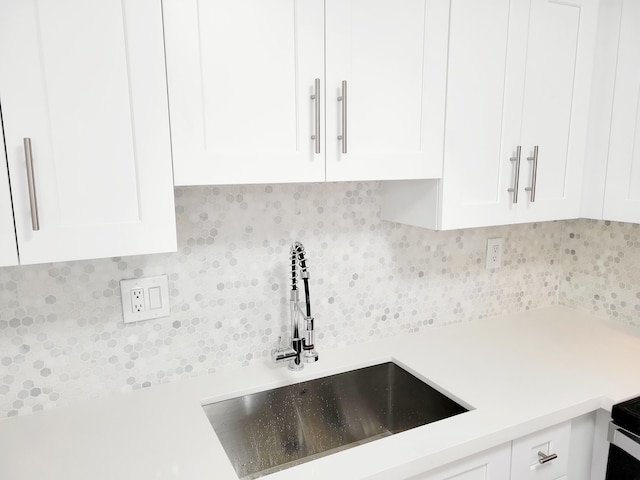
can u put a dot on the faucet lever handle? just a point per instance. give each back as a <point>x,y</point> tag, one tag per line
<point>281,353</point>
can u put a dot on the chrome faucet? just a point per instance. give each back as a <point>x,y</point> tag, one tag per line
<point>301,347</point>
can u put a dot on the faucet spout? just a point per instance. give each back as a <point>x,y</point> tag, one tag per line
<point>301,348</point>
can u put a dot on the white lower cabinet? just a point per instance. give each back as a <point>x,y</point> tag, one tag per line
<point>560,452</point>
<point>490,465</point>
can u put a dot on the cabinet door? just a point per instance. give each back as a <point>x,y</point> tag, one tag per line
<point>8,247</point>
<point>391,54</point>
<point>84,80</point>
<point>490,465</point>
<point>622,194</point>
<point>487,45</point>
<point>559,68</point>
<point>241,74</point>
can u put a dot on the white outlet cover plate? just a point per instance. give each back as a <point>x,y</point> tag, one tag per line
<point>145,283</point>
<point>491,243</point>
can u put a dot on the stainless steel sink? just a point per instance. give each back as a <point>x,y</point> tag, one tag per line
<point>273,430</point>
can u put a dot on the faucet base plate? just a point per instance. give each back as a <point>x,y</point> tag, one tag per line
<point>295,367</point>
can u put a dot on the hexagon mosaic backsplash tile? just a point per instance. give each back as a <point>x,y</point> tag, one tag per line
<point>62,339</point>
<point>601,269</point>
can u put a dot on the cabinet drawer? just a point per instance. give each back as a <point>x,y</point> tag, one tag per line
<point>525,464</point>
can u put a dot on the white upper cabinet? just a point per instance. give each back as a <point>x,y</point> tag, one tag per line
<point>557,92</point>
<point>8,247</point>
<point>622,193</point>
<point>519,78</point>
<point>391,57</point>
<point>242,78</point>
<point>484,108</point>
<point>84,80</point>
<point>241,74</point>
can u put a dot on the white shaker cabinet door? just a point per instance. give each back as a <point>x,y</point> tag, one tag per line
<point>241,75</point>
<point>560,53</point>
<point>622,194</point>
<point>390,56</point>
<point>8,247</point>
<point>84,81</point>
<point>487,47</point>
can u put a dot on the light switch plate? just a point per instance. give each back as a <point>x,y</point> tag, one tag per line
<point>145,298</point>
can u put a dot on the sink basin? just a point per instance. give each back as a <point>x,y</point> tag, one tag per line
<point>269,431</point>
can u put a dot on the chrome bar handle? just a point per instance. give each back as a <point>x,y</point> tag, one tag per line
<point>316,97</point>
<point>33,202</point>
<point>516,179</point>
<point>544,458</point>
<point>534,175</point>
<point>343,98</point>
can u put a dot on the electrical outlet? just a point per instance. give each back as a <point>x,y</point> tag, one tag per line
<point>494,253</point>
<point>137,300</point>
<point>145,298</point>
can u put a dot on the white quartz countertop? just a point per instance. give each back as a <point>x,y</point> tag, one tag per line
<point>518,373</point>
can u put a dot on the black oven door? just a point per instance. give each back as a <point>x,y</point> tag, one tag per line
<point>624,454</point>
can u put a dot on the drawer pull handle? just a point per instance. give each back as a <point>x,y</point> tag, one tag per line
<point>544,458</point>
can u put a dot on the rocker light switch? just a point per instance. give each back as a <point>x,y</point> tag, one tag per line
<point>155,298</point>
